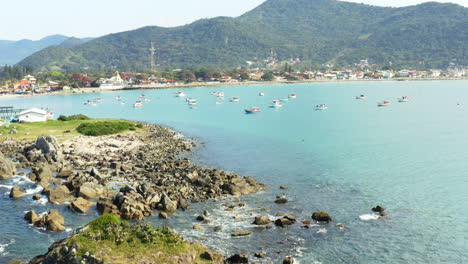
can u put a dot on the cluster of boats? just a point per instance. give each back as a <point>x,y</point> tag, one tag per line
<point>93,102</point>
<point>402,99</point>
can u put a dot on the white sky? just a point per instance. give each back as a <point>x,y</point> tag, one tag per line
<point>34,19</point>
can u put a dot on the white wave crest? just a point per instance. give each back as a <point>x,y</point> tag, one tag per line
<point>42,201</point>
<point>367,217</point>
<point>4,246</point>
<point>322,231</point>
<point>35,190</point>
<point>9,187</point>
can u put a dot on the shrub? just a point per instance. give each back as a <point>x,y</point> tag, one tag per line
<point>73,117</point>
<point>105,128</point>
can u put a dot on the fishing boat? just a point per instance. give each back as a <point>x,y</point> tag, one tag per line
<point>276,103</point>
<point>252,110</point>
<point>321,107</point>
<point>118,98</point>
<point>142,96</point>
<point>138,104</point>
<point>220,95</point>
<point>181,94</point>
<point>361,97</point>
<point>235,99</point>
<point>261,94</point>
<point>293,96</point>
<point>192,101</point>
<point>403,99</point>
<point>213,93</point>
<point>383,103</point>
<point>88,102</point>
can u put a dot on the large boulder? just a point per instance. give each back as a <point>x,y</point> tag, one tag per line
<point>91,190</point>
<point>167,204</point>
<point>80,205</point>
<point>379,209</point>
<point>65,174</point>
<point>321,217</point>
<point>48,146</point>
<point>16,192</point>
<point>54,221</point>
<point>58,194</point>
<point>32,217</point>
<point>239,233</point>
<point>238,258</point>
<point>7,168</point>
<point>285,221</point>
<point>106,206</point>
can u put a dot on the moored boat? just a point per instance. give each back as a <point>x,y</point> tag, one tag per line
<point>252,110</point>
<point>383,103</point>
<point>293,96</point>
<point>192,101</point>
<point>403,99</point>
<point>361,97</point>
<point>181,94</point>
<point>276,103</point>
<point>261,94</point>
<point>235,99</point>
<point>142,96</point>
<point>138,104</point>
<point>321,107</point>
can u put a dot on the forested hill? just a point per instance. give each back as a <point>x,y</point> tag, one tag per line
<point>316,31</point>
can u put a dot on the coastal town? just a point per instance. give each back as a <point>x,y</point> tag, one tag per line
<point>77,83</point>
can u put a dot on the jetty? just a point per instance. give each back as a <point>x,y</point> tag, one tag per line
<point>7,112</point>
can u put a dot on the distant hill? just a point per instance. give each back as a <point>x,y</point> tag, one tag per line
<point>316,31</point>
<point>12,52</point>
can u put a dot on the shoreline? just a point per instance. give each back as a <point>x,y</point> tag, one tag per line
<point>95,90</point>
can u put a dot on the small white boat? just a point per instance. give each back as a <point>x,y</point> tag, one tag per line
<point>261,94</point>
<point>321,107</point>
<point>361,97</point>
<point>383,103</point>
<point>138,104</point>
<point>403,99</point>
<point>118,98</point>
<point>213,93</point>
<point>181,94</point>
<point>276,103</point>
<point>252,110</point>
<point>293,96</point>
<point>235,99</point>
<point>192,101</point>
<point>219,102</point>
<point>142,96</point>
<point>98,100</point>
<point>220,95</point>
<point>122,102</point>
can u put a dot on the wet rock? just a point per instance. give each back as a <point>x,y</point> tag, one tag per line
<point>282,187</point>
<point>218,228</point>
<point>379,209</point>
<point>286,221</point>
<point>321,217</point>
<point>261,220</point>
<point>201,218</point>
<point>52,221</point>
<point>288,260</point>
<point>238,258</point>
<point>307,222</point>
<point>281,199</point>
<point>32,217</point>
<point>59,194</point>
<point>207,255</point>
<point>80,205</point>
<point>260,255</point>
<point>16,192</point>
<point>7,168</point>
<point>163,215</point>
<point>37,197</point>
<point>167,204</point>
<point>197,227</point>
<point>239,233</point>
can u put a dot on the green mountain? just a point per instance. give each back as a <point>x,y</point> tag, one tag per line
<point>12,52</point>
<point>316,31</point>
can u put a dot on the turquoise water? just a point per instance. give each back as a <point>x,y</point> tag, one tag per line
<point>409,157</point>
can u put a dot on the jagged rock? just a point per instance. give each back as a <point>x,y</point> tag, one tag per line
<point>281,199</point>
<point>260,255</point>
<point>16,192</point>
<point>379,209</point>
<point>321,217</point>
<point>282,187</point>
<point>201,218</point>
<point>218,228</point>
<point>80,205</point>
<point>197,227</point>
<point>48,145</point>
<point>207,255</point>
<point>32,217</point>
<point>262,220</point>
<point>7,168</point>
<point>167,204</point>
<point>288,260</point>
<point>52,221</point>
<point>163,215</point>
<point>238,233</point>
<point>59,194</point>
<point>37,197</point>
<point>97,175</point>
<point>238,258</point>
<point>106,206</point>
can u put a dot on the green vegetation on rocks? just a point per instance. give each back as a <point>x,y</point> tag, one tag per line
<point>72,117</point>
<point>110,240</point>
<point>106,128</point>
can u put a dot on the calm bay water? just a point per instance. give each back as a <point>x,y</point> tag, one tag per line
<point>409,157</point>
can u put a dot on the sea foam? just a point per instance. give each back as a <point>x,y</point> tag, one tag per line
<point>367,217</point>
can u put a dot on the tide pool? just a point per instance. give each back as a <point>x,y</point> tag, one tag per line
<point>409,157</point>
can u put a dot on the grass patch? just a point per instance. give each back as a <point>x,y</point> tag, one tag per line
<point>59,129</point>
<point>72,117</point>
<point>115,241</point>
<point>105,128</point>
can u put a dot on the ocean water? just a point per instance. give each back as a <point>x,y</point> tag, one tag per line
<point>409,157</point>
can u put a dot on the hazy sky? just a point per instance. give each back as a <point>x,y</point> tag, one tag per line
<point>34,19</point>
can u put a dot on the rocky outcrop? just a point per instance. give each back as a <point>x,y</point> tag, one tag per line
<point>7,168</point>
<point>89,190</point>
<point>288,260</point>
<point>239,233</point>
<point>58,194</point>
<point>379,209</point>
<point>285,221</point>
<point>281,199</point>
<point>48,146</point>
<point>321,217</point>
<point>237,259</point>
<point>16,192</point>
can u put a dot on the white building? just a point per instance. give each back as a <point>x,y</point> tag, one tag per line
<point>35,115</point>
<point>113,83</point>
